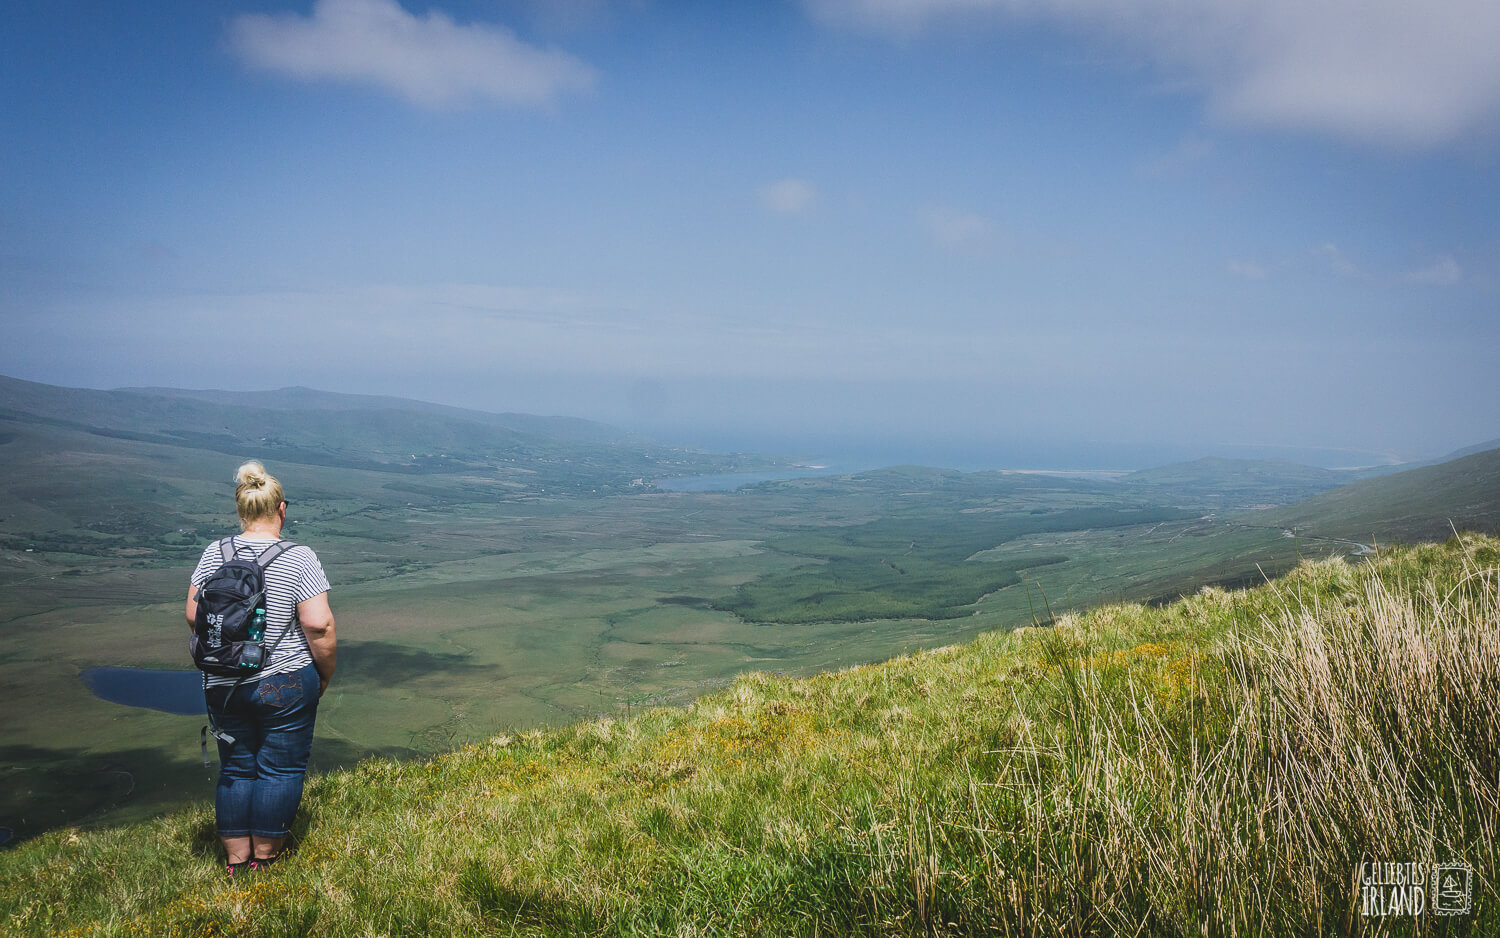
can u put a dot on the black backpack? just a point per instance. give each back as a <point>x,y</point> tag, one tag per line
<point>230,625</point>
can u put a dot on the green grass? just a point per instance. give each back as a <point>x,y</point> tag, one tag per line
<point>1421,504</point>
<point>1222,764</point>
<point>912,565</point>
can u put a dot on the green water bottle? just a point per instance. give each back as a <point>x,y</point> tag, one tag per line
<point>258,624</point>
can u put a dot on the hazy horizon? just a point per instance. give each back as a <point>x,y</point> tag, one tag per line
<point>1050,235</point>
<point>850,452</point>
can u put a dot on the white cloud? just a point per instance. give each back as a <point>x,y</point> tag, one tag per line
<point>1336,259</point>
<point>1250,270</point>
<point>1443,272</point>
<point>953,227</point>
<point>787,196</point>
<point>1391,72</point>
<point>430,61</point>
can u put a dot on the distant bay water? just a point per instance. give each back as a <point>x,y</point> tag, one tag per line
<point>167,691</point>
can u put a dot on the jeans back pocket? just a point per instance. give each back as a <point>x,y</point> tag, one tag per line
<point>279,691</point>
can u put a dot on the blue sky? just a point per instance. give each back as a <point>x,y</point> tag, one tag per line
<point>983,231</point>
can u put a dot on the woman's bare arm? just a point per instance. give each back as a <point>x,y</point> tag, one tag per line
<point>317,624</point>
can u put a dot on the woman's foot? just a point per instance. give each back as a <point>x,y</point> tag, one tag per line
<point>260,863</point>
<point>235,869</point>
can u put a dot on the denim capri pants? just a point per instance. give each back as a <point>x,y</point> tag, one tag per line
<point>261,772</point>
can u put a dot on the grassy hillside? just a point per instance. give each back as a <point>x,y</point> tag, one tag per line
<point>1224,764</point>
<point>1418,504</point>
<point>1243,483</point>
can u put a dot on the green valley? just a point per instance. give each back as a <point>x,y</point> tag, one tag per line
<point>530,574</point>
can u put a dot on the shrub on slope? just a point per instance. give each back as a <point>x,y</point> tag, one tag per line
<point>1222,765</point>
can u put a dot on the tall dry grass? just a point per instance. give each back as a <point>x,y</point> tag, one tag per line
<point>1241,792</point>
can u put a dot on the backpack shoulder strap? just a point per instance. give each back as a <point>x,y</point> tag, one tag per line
<point>269,555</point>
<point>226,548</point>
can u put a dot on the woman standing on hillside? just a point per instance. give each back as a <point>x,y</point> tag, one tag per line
<point>270,718</point>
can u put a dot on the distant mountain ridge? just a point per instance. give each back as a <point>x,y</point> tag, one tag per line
<point>1217,469</point>
<point>398,435</point>
<point>121,407</point>
<point>1467,451</point>
<point>305,398</point>
<point>1411,501</point>
<point>1243,483</point>
<point>322,428</point>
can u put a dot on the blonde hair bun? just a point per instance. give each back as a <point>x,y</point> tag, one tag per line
<point>251,473</point>
<point>257,494</point>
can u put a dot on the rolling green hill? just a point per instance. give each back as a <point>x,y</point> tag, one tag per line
<point>1240,483</point>
<point>1419,504</point>
<point>1226,764</point>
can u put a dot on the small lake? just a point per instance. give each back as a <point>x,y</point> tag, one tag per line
<point>167,691</point>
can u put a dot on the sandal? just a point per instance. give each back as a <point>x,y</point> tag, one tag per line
<point>234,869</point>
<point>268,861</point>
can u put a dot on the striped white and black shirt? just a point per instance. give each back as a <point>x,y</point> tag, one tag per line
<point>294,576</point>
